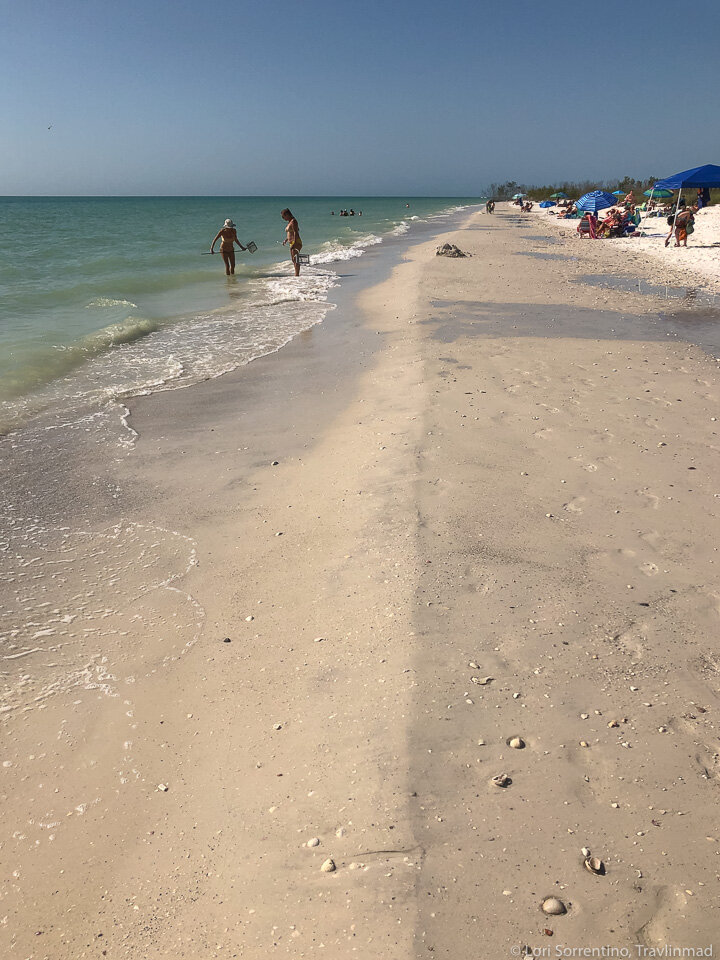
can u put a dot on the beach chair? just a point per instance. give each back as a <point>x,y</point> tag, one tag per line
<point>586,229</point>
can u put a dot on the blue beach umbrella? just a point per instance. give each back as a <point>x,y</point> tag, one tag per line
<point>618,193</point>
<point>547,203</point>
<point>596,200</point>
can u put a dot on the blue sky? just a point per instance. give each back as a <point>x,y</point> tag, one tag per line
<point>373,97</point>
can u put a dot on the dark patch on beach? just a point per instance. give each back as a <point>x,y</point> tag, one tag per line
<point>690,295</point>
<point>475,319</point>
<point>542,239</point>
<point>543,256</point>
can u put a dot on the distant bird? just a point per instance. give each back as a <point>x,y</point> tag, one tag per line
<point>50,127</point>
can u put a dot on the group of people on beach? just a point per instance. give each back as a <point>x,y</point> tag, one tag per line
<point>347,213</point>
<point>623,219</point>
<point>227,235</point>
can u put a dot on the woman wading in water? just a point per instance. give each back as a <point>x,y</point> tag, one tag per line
<point>293,238</point>
<point>228,237</point>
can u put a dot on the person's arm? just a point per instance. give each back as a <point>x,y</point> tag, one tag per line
<point>235,238</point>
<point>212,245</point>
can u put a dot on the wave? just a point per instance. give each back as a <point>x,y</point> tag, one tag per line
<point>60,360</point>
<point>108,302</point>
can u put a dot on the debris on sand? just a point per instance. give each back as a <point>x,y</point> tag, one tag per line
<point>450,250</point>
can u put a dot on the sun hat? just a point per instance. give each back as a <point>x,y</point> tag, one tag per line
<point>229,223</point>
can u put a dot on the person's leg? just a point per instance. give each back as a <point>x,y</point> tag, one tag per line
<point>231,258</point>
<point>295,257</point>
<point>226,261</point>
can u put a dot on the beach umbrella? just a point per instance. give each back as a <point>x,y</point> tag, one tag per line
<point>547,203</point>
<point>596,200</point>
<point>558,195</point>
<point>661,193</point>
<point>519,196</point>
<point>618,193</point>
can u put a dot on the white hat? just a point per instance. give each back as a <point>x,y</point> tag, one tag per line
<point>229,223</point>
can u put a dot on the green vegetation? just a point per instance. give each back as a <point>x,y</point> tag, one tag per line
<point>505,191</point>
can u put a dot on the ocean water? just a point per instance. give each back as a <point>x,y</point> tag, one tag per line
<point>102,300</point>
<point>105,298</point>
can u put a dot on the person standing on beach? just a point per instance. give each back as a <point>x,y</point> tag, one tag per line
<point>684,224</point>
<point>293,238</point>
<point>228,237</point>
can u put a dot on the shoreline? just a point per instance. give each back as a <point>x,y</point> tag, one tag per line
<point>466,473</point>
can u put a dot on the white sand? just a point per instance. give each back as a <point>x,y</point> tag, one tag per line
<point>700,262</point>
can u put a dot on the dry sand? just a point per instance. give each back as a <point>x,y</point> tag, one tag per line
<point>501,475</point>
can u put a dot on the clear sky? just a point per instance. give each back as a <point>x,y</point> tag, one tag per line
<point>348,98</point>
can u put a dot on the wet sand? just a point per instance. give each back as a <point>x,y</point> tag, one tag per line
<point>480,471</point>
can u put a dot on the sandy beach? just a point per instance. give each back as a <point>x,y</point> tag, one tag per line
<point>322,595</point>
<point>699,260</point>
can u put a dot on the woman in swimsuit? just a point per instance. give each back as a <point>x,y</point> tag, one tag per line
<point>293,238</point>
<point>228,237</point>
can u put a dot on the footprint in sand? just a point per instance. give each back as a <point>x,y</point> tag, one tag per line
<point>668,916</point>
<point>574,506</point>
<point>649,569</point>
<point>654,500</point>
<point>543,434</point>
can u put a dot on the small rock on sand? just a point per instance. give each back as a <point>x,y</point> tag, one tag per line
<point>314,842</point>
<point>328,866</point>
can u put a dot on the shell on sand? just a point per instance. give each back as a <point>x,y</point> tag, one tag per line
<point>517,743</point>
<point>595,865</point>
<point>553,907</point>
<point>502,780</point>
<point>328,866</point>
<point>482,681</point>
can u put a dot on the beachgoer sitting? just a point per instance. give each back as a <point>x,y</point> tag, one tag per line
<point>587,226</point>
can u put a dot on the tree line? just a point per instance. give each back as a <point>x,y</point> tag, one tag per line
<point>575,189</point>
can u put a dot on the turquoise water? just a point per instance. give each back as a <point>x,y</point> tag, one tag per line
<point>106,297</point>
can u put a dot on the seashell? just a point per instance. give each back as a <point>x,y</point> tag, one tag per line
<point>502,780</point>
<point>517,743</point>
<point>595,865</point>
<point>328,866</point>
<point>473,665</point>
<point>553,907</point>
<point>585,851</point>
<point>482,681</point>
<point>313,842</point>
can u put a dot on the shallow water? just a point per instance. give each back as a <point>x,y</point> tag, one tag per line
<point>114,296</point>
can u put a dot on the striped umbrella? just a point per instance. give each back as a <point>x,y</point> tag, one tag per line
<point>596,200</point>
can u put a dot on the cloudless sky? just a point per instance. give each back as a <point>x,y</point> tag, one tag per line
<point>291,97</point>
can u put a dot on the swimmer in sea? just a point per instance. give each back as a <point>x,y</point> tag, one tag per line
<point>228,237</point>
<point>293,238</point>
